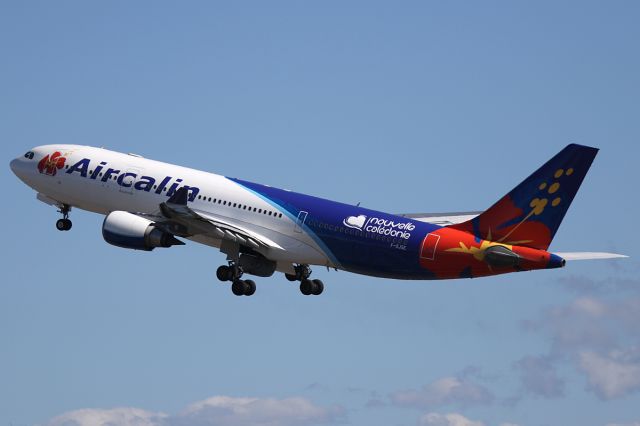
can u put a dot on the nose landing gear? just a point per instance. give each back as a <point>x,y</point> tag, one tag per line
<point>64,224</point>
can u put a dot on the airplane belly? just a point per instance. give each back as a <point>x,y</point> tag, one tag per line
<point>295,251</point>
<point>290,251</point>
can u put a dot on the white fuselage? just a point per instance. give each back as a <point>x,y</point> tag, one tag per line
<point>102,181</point>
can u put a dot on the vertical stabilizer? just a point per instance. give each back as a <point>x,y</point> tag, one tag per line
<point>531,213</point>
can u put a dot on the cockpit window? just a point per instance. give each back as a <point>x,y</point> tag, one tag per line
<point>29,155</point>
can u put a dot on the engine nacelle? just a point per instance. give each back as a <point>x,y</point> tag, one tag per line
<point>127,230</point>
<point>257,265</point>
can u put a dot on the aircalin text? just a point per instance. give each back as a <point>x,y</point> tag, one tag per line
<point>131,179</point>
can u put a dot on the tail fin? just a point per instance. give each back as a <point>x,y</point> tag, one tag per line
<point>531,213</point>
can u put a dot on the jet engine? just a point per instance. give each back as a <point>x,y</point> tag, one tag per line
<point>127,230</point>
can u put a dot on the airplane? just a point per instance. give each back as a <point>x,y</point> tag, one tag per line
<point>262,230</point>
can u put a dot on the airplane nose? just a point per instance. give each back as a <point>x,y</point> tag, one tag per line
<point>14,166</point>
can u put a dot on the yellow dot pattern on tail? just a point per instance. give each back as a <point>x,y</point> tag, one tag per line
<point>538,204</point>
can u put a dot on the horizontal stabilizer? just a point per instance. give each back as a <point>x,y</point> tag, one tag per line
<point>589,255</point>
<point>442,219</point>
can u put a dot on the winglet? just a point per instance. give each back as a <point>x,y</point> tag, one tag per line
<point>179,197</point>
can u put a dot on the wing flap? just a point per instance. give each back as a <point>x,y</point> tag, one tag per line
<point>195,222</point>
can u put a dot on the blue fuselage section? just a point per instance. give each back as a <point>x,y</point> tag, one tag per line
<point>356,239</point>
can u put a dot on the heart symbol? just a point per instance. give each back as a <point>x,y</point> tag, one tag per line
<point>355,221</point>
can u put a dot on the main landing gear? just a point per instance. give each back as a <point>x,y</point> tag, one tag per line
<point>307,286</point>
<point>64,224</point>
<point>233,273</point>
<point>240,287</point>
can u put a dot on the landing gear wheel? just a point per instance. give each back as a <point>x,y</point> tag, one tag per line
<point>318,287</point>
<point>239,287</point>
<point>250,287</point>
<point>306,287</point>
<point>63,224</point>
<point>291,277</point>
<point>223,273</point>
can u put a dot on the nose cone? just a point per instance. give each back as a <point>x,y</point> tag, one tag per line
<point>20,167</point>
<point>14,164</point>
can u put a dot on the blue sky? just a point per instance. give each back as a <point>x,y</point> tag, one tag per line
<point>402,106</point>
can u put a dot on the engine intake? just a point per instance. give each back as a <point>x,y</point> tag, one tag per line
<point>126,230</point>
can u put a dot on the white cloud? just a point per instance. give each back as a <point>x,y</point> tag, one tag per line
<point>613,375</point>
<point>228,411</point>
<point>625,424</point>
<point>445,391</point>
<point>597,335</point>
<point>539,377</point>
<point>590,307</point>
<point>451,419</point>
<point>115,416</point>
<point>584,323</point>
<point>612,284</point>
<point>217,410</point>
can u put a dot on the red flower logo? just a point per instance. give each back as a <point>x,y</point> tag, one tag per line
<point>51,163</point>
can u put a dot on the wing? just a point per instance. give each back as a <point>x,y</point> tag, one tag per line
<point>175,217</point>
<point>442,219</point>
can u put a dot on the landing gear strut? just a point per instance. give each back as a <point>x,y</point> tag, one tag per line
<point>307,286</point>
<point>233,273</point>
<point>64,224</point>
